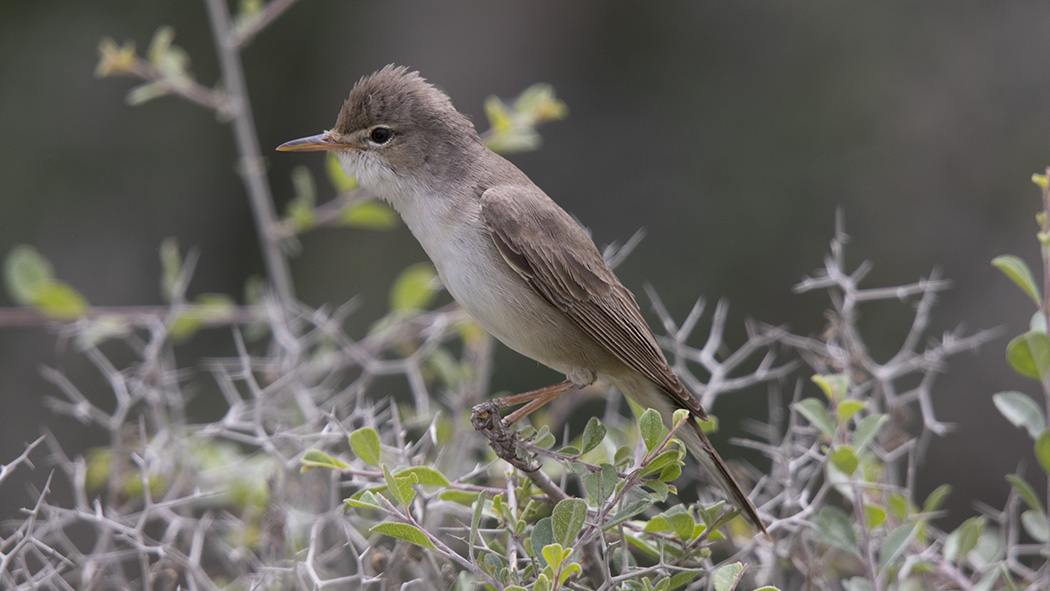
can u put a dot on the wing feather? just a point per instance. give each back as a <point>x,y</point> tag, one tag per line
<point>557,258</point>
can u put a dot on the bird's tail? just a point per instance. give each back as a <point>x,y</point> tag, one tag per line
<point>699,445</point>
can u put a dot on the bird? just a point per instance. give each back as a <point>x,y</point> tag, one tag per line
<point>512,258</point>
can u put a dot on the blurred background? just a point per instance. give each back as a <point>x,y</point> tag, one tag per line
<point>731,132</point>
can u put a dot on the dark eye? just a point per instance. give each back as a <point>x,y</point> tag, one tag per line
<point>381,135</point>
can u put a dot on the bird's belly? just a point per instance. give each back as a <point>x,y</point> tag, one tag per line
<point>501,302</point>
<point>505,305</point>
<point>499,299</point>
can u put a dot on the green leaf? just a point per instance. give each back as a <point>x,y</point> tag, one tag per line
<point>936,498</point>
<point>544,438</point>
<point>668,457</point>
<point>1025,491</point>
<point>1038,322</point>
<point>847,408</point>
<point>671,472</point>
<point>400,487</point>
<point>498,115</point>
<point>370,214</point>
<point>593,434</point>
<point>59,301</point>
<point>553,554</point>
<point>572,451</point>
<point>208,307</point>
<point>566,572</point>
<point>542,536</point>
<point>160,44</point>
<point>1034,523</point>
<point>423,475</point>
<point>1042,450</point>
<point>964,539</point>
<point>1029,354</point>
<point>867,429</point>
<point>624,456</point>
<point>145,92</point>
<point>641,544</point>
<point>26,271</point>
<point>1022,411</point>
<point>658,523</point>
<point>682,524</point>
<point>679,417</point>
<point>404,531</point>
<point>835,529</point>
<point>365,444</point>
<point>845,459</point>
<point>600,485</point>
<point>726,577</point>
<point>414,288</point>
<point>363,500</point>
<point>817,414</point>
<point>315,458</point>
<point>874,515</point>
<point>895,544</point>
<point>342,182</point>
<point>652,428</point>
<point>539,103</point>
<point>475,520</point>
<point>834,386</point>
<point>628,512</point>
<point>567,520</point>
<point>659,488</point>
<point>1016,269</point>
<point>899,506</point>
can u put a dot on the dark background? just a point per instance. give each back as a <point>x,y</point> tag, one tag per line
<point>732,132</point>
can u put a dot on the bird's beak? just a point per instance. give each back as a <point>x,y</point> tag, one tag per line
<point>321,142</point>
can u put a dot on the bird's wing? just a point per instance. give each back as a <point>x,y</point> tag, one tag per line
<point>559,261</point>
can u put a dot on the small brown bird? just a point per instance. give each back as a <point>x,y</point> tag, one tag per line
<point>520,265</point>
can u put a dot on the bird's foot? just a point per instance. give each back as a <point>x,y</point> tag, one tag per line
<point>503,440</point>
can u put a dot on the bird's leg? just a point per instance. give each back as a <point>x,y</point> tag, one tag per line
<point>577,379</point>
<point>486,420</point>
<point>535,399</point>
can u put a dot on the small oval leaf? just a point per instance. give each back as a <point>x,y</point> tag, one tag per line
<point>1029,354</point>
<point>59,301</point>
<point>727,577</point>
<point>567,520</point>
<point>1042,450</point>
<point>404,531</point>
<point>1022,411</point>
<point>315,458</point>
<point>817,414</point>
<point>1016,269</point>
<point>365,444</point>
<point>593,434</point>
<point>652,428</point>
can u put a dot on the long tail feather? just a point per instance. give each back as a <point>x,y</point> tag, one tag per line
<point>699,445</point>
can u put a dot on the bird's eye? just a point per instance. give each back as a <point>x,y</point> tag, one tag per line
<point>381,135</point>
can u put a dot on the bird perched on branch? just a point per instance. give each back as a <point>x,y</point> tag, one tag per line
<point>511,257</point>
